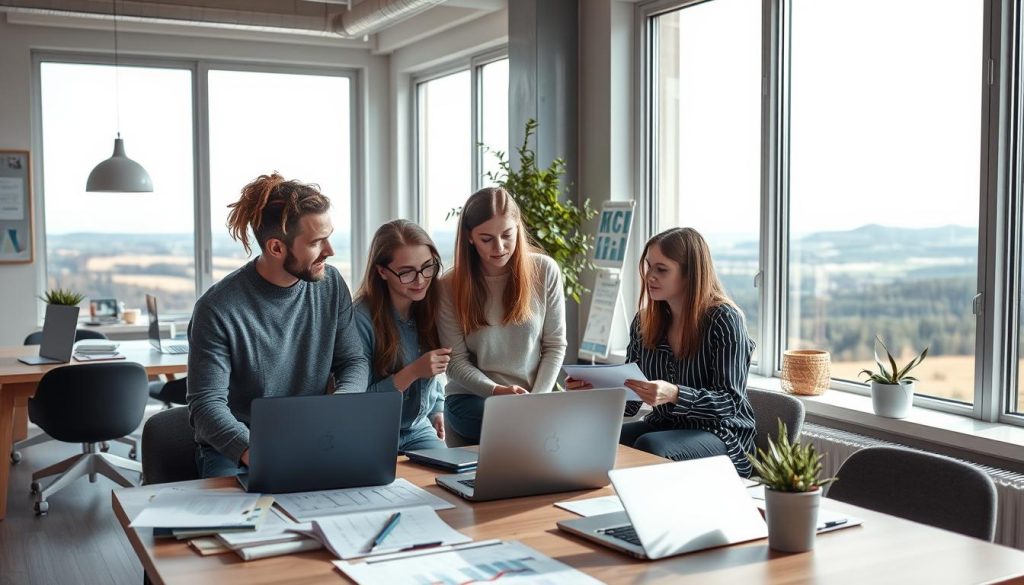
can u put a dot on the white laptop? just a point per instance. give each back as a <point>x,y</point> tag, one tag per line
<point>709,507</point>
<point>154,331</point>
<point>543,443</point>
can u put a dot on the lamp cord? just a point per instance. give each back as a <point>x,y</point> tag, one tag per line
<point>117,76</point>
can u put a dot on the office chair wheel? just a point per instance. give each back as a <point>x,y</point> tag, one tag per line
<point>42,508</point>
<point>34,488</point>
<point>15,457</point>
<point>104,447</point>
<point>133,454</point>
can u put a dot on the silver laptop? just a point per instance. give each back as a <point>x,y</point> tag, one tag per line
<point>59,327</point>
<point>543,443</point>
<point>154,331</point>
<point>710,507</point>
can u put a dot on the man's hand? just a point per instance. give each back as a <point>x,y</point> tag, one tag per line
<point>245,458</point>
<point>655,392</point>
<point>500,390</point>
<point>438,421</point>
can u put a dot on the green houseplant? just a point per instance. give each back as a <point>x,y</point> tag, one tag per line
<point>554,225</point>
<point>61,304</point>
<point>791,474</point>
<point>892,388</point>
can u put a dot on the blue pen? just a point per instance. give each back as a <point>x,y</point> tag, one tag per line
<point>392,522</point>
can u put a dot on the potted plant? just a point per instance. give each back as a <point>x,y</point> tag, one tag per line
<point>59,300</point>
<point>791,475</point>
<point>554,225</point>
<point>892,389</point>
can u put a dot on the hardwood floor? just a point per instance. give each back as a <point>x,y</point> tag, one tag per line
<point>79,541</point>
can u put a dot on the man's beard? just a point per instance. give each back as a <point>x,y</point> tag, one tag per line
<point>291,266</point>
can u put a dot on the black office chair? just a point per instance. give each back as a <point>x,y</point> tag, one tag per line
<point>770,407</point>
<point>172,392</point>
<point>168,448</point>
<point>88,404</point>
<point>36,338</point>
<point>923,487</point>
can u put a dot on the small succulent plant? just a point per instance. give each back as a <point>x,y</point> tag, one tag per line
<point>60,296</point>
<point>788,467</point>
<point>894,375</point>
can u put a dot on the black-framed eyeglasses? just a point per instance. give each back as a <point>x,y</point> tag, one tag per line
<point>409,276</point>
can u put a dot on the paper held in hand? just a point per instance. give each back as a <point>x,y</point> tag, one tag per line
<point>607,375</point>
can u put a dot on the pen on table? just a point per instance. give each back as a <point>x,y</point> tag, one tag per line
<point>834,523</point>
<point>388,527</point>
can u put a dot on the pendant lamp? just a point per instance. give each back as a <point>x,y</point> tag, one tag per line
<point>118,173</point>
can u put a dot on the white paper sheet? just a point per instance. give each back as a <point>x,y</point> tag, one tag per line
<point>350,536</point>
<point>276,528</point>
<point>593,506</point>
<point>398,494</point>
<point>12,198</point>
<point>504,562</point>
<point>177,508</point>
<point>607,375</point>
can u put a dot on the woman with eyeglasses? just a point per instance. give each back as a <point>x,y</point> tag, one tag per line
<point>395,316</point>
<point>502,311</point>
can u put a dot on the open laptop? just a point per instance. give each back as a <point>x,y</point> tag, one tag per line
<point>543,443</point>
<point>710,507</point>
<point>333,441</point>
<point>59,327</point>
<point>154,331</point>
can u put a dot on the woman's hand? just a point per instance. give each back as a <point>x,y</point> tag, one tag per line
<point>500,390</point>
<point>656,392</point>
<point>438,421</point>
<point>432,363</point>
<point>575,384</point>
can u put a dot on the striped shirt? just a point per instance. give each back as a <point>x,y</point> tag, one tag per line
<point>712,383</point>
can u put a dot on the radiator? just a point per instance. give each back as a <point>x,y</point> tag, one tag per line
<point>837,445</point>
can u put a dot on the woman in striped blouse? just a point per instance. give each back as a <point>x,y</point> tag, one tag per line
<point>690,341</point>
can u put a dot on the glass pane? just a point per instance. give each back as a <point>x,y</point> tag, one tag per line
<point>445,151</point>
<point>884,180</point>
<point>494,116</point>
<point>119,245</point>
<point>297,125</point>
<point>708,135</point>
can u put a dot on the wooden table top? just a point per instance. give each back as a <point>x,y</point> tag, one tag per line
<point>885,549</point>
<point>12,371</point>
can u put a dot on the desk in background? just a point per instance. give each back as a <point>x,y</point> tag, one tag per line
<point>18,383</point>
<point>885,549</point>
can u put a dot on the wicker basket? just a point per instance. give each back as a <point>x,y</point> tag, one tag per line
<point>806,371</point>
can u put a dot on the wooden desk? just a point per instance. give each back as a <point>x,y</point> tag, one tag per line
<point>18,383</point>
<point>884,550</point>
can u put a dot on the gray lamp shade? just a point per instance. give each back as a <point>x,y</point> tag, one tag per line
<point>119,174</point>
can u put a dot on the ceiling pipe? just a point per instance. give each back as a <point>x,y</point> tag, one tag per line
<point>369,16</point>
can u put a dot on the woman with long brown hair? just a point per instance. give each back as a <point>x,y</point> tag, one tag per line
<point>395,316</point>
<point>502,311</point>
<point>690,341</point>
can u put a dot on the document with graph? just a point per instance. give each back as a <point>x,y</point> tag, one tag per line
<point>477,562</point>
<point>400,493</point>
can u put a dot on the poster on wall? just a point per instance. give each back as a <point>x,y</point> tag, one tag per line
<point>598,333</point>
<point>612,241</point>
<point>15,206</point>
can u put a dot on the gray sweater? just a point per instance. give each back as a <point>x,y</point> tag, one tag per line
<point>251,339</point>
<point>528,355</point>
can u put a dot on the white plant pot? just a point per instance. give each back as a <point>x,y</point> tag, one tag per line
<point>792,519</point>
<point>892,400</point>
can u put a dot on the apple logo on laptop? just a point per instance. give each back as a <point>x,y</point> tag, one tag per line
<point>326,442</point>
<point>551,444</point>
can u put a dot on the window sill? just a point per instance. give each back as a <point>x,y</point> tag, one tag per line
<point>950,430</point>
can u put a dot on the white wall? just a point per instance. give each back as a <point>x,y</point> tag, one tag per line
<point>19,284</point>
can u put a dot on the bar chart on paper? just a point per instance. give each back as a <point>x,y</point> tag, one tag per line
<point>496,562</point>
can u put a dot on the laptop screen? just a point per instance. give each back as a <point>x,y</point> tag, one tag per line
<point>154,323</point>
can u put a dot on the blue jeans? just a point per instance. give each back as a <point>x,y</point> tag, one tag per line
<point>211,463</point>
<point>675,444</point>
<point>422,436</point>
<point>465,414</point>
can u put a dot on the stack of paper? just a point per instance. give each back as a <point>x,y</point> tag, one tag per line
<point>277,536</point>
<point>350,536</point>
<point>96,349</point>
<point>186,513</point>
<point>401,493</point>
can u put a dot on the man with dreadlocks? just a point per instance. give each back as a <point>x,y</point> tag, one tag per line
<point>279,326</point>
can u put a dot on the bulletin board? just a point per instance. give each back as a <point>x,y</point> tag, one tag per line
<point>15,207</point>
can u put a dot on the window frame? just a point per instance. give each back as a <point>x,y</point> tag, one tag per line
<point>1000,278</point>
<point>199,69</point>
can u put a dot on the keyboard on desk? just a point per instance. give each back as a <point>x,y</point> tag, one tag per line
<point>626,533</point>
<point>176,348</point>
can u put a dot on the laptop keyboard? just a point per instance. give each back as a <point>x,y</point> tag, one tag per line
<point>179,348</point>
<point>468,482</point>
<point>625,533</point>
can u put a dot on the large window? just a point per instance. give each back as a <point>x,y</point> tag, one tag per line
<point>708,136</point>
<point>857,157</point>
<point>884,185</point>
<point>461,123</point>
<point>301,130</point>
<point>118,245</point>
